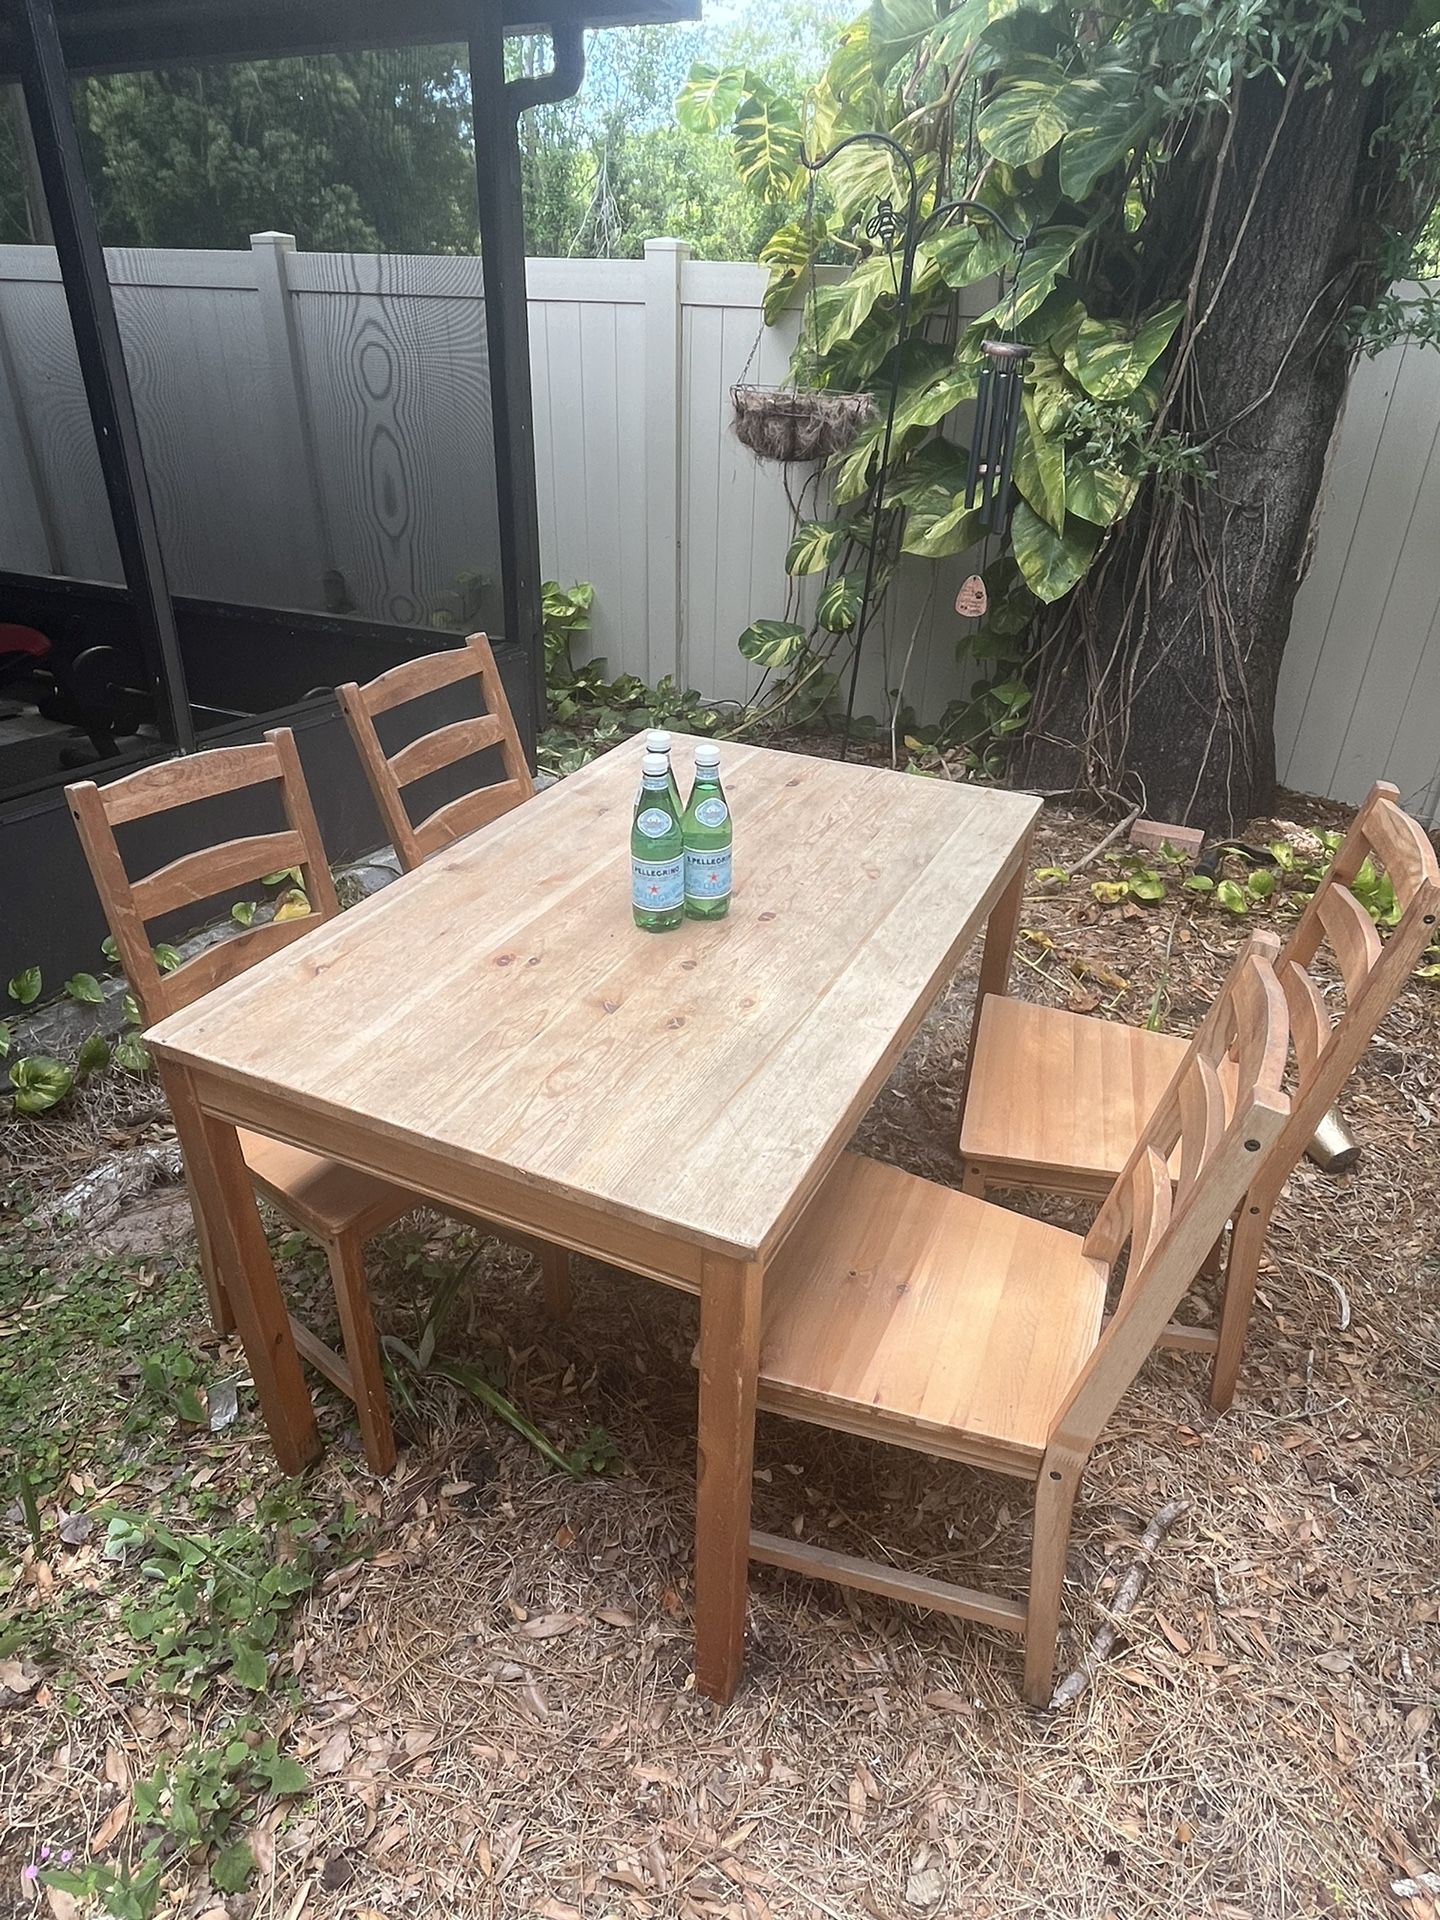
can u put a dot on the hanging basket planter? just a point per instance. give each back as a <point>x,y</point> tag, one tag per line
<point>781,423</point>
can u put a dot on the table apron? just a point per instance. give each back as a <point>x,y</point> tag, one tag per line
<point>432,1175</point>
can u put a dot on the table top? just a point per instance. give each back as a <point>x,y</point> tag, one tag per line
<point>499,1002</point>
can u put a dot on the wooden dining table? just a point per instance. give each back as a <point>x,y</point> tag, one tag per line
<point>494,1032</point>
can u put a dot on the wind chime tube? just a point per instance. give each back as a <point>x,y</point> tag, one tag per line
<point>976,471</point>
<point>1013,375</point>
<point>995,433</point>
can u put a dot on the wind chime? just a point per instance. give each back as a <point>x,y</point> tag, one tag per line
<point>778,423</point>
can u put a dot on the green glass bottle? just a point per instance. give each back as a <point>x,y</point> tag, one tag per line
<point>657,740</point>
<point>657,852</point>
<point>706,831</point>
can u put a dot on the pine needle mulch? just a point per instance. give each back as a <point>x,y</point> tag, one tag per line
<point>495,1704</point>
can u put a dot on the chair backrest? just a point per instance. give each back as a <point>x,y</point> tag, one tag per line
<point>1225,1137</point>
<point>130,904</point>
<point>1383,840</point>
<point>388,774</point>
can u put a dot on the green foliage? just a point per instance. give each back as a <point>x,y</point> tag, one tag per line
<point>189,1809</point>
<point>40,1083</point>
<point>25,987</point>
<point>214,1603</point>
<point>590,712</point>
<point>412,1364</point>
<point>85,988</point>
<point>1076,115</point>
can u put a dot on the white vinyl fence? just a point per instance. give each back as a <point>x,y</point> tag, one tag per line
<point>1359,694</point>
<point>317,430</point>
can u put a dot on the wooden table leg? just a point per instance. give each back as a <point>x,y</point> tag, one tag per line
<point>997,953</point>
<point>220,1186</point>
<point>730,1295</point>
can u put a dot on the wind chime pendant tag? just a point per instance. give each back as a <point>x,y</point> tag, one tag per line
<point>972,601</point>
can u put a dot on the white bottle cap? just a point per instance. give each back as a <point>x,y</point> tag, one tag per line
<point>657,741</point>
<point>707,754</point>
<point>654,766</point>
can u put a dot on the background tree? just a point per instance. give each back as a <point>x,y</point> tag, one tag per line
<point>1216,196</point>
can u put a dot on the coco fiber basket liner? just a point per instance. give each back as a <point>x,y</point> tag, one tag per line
<point>778,423</point>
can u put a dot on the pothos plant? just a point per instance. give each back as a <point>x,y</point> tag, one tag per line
<point>1058,119</point>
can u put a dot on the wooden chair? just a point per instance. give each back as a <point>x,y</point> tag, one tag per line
<point>339,1206</point>
<point>389,774</point>
<point>1056,1100</point>
<point>917,1315</point>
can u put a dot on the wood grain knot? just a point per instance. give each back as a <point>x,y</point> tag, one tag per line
<point>676,1020</point>
<point>689,966</point>
<point>504,959</point>
<point>766,916</point>
<point>610,1006</point>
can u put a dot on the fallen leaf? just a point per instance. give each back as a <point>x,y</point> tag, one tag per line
<point>944,1701</point>
<point>564,1537</point>
<point>18,1676</point>
<point>615,1616</point>
<point>1336,1661</point>
<point>117,1767</point>
<point>64,1906</point>
<point>114,1824</point>
<point>548,1626</point>
<point>855,1794</point>
<point>923,1889</point>
<point>331,1757</point>
<point>551,1909</point>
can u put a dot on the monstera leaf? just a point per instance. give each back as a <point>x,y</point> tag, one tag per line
<point>768,142</point>
<point>772,644</point>
<point>1110,361</point>
<point>1022,122</point>
<point>1051,563</point>
<point>937,466</point>
<point>1040,470</point>
<point>1035,281</point>
<point>941,526</point>
<point>872,280</point>
<point>1100,143</point>
<point>815,545</point>
<point>838,607</point>
<point>710,97</point>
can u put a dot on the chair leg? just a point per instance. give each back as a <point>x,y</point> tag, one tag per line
<point>1247,1243</point>
<point>555,1275</point>
<point>222,1314</point>
<point>346,1254</point>
<point>1054,1506</point>
<point>972,1179</point>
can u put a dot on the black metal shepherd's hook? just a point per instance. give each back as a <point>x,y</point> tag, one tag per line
<point>914,232</point>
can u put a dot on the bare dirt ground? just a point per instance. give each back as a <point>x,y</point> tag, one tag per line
<point>494,1702</point>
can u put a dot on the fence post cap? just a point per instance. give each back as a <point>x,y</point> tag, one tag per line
<point>273,239</point>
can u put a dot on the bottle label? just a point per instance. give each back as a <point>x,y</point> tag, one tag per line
<point>657,886</point>
<point>707,874</point>
<point>654,821</point>
<point>712,813</point>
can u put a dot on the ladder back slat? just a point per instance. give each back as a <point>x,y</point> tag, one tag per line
<point>230,957</point>
<point>1202,1119</point>
<point>414,678</point>
<point>444,747</point>
<point>1150,1208</point>
<point>464,815</point>
<point>179,782</point>
<point>214,870</point>
<point>1402,847</point>
<point>1310,1026</point>
<point>1352,935</point>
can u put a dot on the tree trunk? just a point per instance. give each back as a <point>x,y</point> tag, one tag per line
<point>1156,681</point>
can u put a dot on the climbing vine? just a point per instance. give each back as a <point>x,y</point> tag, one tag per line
<point>1067,120</point>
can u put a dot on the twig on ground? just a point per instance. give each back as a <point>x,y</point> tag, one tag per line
<point>1121,826</point>
<point>1131,1587</point>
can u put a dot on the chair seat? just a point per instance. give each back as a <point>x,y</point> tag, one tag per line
<point>907,1312</point>
<point>1060,1095</point>
<point>321,1195</point>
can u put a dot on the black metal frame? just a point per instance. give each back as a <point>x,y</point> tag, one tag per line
<point>44,44</point>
